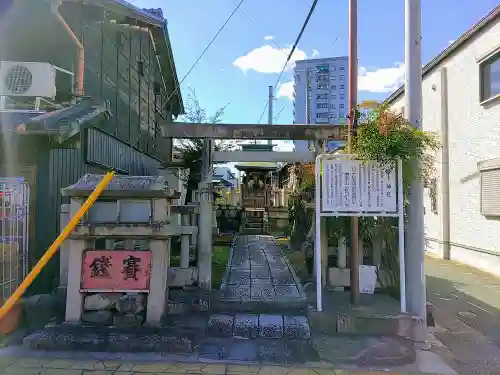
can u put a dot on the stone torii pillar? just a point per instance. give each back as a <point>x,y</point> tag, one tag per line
<point>205,218</point>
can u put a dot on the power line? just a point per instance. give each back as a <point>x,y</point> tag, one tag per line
<point>258,26</point>
<point>204,51</point>
<point>279,113</point>
<point>313,6</point>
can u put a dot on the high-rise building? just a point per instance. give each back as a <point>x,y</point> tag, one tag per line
<point>327,93</point>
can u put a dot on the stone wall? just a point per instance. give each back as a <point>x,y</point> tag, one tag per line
<point>117,309</point>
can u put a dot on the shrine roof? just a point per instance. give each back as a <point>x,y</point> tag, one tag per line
<point>123,187</point>
<point>258,166</point>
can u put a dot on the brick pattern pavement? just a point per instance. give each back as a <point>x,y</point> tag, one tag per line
<point>258,272</point>
<point>27,366</point>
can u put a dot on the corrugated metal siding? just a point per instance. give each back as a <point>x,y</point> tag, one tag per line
<point>106,151</point>
<point>490,192</point>
<point>59,168</point>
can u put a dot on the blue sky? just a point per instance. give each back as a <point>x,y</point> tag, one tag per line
<point>245,59</point>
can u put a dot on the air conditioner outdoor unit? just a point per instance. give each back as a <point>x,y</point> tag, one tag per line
<point>32,79</point>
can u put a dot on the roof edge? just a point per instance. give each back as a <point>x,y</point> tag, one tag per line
<point>451,49</point>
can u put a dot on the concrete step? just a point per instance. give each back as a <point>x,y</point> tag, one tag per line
<point>243,350</point>
<point>65,337</point>
<point>260,307</point>
<point>259,326</point>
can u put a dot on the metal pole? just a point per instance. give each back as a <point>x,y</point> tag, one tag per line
<point>415,278</point>
<point>317,239</point>
<point>353,91</point>
<point>401,237</point>
<point>270,111</point>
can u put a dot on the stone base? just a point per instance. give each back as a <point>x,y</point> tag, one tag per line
<point>184,301</point>
<point>179,277</point>
<point>402,325</point>
<point>107,339</point>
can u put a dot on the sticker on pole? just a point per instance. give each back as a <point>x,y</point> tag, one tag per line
<point>358,186</point>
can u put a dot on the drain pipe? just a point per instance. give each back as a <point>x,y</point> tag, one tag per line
<point>80,65</point>
<point>445,166</point>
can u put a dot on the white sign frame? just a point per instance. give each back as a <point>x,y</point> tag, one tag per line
<point>319,213</point>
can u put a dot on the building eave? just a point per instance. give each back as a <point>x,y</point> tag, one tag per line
<point>453,48</point>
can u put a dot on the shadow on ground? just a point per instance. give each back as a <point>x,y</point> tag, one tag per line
<point>466,304</point>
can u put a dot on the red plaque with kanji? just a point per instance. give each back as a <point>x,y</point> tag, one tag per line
<point>116,270</point>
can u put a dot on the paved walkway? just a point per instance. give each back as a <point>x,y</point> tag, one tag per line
<point>27,366</point>
<point>467,311</point>
<point>258,272</point>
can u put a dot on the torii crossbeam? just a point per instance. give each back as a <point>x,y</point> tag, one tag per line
<point>255,131</point>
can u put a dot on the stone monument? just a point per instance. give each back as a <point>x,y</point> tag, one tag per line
<point>119,253</point>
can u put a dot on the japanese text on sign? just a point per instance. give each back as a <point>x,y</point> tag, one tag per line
<point>358,186</point>
<point>116,270</point>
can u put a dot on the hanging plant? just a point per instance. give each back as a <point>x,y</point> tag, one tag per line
<point>386,136</point>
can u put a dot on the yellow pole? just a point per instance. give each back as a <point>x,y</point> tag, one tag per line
<point>7,306</point>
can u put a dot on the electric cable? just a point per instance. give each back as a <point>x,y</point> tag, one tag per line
<point>304,25</point>
<point>259,27</point>
<point>204,51</point>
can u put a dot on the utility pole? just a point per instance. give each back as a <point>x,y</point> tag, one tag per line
<point>414,267</point>
<point>270,111</point>
<point>353,102</point>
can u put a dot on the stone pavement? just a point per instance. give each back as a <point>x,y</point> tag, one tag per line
<point>258,274</point>
<point>31,366</point>
<point>466,304</point>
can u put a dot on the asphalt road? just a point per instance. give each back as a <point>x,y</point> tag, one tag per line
<point>467,306</point>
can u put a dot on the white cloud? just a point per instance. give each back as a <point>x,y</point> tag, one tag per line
<point>269,37</point>
<point>315,53</point>
<point>267,59</point>
<point>383,80</point>
<point>285,90</point>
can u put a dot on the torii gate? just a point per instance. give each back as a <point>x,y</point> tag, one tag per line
<point>209,132</point>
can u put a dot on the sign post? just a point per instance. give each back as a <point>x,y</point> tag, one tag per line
<point>346,186</point>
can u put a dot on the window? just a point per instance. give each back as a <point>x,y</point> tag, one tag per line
<point>322,86</point>
<point>333,115</point>
<point>341,68</point>
<point>322,97</point>
<point>341,87</point>
<point>490,77</point>
<point>322,105</point>
<point>322,68</point>
<point>342,97</point>
<point>333,106</point>
<point>342,77</point>
<point>334,78</point>
<point>334,68</point>
<point>334,96</point>
<point>334,87</point>
<point>321,115</point>
<point>341,106</point>
<point>489,171</point>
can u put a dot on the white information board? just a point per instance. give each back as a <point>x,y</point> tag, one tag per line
<point>358,186</point>
<point>367,279</point>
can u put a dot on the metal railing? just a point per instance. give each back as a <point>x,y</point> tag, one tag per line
<point>14,234</point>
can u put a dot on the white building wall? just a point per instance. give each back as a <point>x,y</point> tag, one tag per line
<point>336,97</point>
<point>474,136</point>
